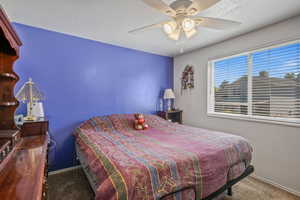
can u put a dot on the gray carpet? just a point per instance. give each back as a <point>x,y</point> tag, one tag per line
<point>73,185</point>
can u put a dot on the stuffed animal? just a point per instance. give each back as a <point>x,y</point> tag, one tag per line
<point>139,122</point>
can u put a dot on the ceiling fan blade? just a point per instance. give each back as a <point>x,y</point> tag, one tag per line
<point>200,5</point>
<point>161,6</point>
<point>144,28</point>
<point>215,23</point>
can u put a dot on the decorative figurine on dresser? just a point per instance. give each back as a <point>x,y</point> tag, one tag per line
<point>23,157</point>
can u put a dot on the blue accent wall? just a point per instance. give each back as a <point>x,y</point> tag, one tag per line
<point>82,78</point>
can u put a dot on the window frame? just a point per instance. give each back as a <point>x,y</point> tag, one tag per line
<point>249,116</point>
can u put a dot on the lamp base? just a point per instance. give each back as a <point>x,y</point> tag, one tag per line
<point>169,105</point>
<point>29,118</point>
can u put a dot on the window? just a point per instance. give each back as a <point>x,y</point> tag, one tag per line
<point>259,85</point>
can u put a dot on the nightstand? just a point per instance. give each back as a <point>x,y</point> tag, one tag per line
<point>173,115</point>
<point>32,128</point>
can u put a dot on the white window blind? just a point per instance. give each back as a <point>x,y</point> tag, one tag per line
<point>262,84</point>
<point>231,83</point>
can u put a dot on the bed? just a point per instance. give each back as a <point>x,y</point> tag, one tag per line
<point>168,161</point>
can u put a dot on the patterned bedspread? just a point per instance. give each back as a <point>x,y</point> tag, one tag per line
<point>149,164</point>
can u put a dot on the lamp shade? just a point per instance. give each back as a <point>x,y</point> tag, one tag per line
<point>169,94</point>
<point>29,92</point>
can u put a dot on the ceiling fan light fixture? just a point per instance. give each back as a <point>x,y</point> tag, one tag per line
<point>190,33</point>
<point>175,35</point>
<point>183,20</point>
<point>188,24</point>
<point>170,27</point>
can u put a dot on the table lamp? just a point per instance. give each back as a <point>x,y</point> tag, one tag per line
<point>169,94</point>
<point>30,94</point>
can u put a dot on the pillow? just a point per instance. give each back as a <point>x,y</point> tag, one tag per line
<point>102,123</point>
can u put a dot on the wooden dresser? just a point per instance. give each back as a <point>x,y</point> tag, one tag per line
<point>24,172</point>
<point>23,160</point>
<point>24,175</point>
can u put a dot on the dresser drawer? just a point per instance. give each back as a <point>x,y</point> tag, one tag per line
<point>13,136</point>
<point>4,149</point>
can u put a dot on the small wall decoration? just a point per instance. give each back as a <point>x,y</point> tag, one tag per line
<point>187,79</point>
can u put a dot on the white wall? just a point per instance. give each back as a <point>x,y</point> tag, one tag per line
<point>276,147</point>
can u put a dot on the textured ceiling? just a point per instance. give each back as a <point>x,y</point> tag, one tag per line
<point>110,20</point>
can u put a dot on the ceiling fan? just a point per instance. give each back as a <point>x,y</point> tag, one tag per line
<point>184,19</point>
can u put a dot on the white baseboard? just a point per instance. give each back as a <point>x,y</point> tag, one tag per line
<point>64,170</point>
<point>292,191</point>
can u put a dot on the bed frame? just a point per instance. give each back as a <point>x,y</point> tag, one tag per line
<point>227,187</point>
